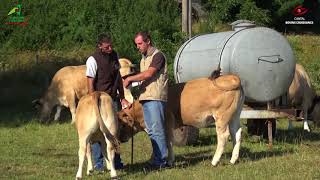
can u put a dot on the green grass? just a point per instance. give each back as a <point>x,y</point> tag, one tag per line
<point>36,151</point>
<point>307,52</point>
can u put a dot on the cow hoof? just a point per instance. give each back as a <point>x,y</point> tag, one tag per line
<point>233,161</point>
<point>171,164</point>
<point>90,172</point>
<point>306,130</point>
<point>78,178</point>
<point>115,178</point>
<point>214,163</point>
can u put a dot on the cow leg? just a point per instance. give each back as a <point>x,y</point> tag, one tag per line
<point>111,152</point>
<point>105,155</point>
<point>57,115</point>
<point>235,129</point>
<point>89,159</point>
<point>83,141</point>
<point>72,106</point>
<point>305,119</point>
<point>235,132</point>
<point>222,135</point>
<point>170,151</point>
<point>169,129</point>
<point>290,126</point>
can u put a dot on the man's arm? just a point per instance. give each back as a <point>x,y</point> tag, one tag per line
<point>147,74</point>
<point>158,62</point>
<point>90,84</point>
<point>91,73</point>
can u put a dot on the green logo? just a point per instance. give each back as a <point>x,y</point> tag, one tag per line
<point>15,16</point>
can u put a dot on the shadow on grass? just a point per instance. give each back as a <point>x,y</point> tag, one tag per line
<point>52,153</point>
<point>181,161</point>
<point>246,153</point>
<point>192,159</point>
<point>296,135</point>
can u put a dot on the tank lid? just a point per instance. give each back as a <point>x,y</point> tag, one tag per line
<point>242,24</point>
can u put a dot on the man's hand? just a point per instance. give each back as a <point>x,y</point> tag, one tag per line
<point>126,82</point>
<point>151,71</point>
<point>125,103</point>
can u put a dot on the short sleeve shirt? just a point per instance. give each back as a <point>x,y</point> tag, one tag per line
<point>91,67</point>
<point>158,61</point>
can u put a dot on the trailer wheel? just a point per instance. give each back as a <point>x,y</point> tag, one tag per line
<point>185,135</point>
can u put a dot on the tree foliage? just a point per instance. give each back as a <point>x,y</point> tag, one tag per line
<point>272,13</point>
<point>65,25</point>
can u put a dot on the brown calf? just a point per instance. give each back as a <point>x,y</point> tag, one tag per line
<point>96,122</point>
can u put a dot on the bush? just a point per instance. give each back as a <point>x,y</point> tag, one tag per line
<point>68,25</point>
<point>265,13</point>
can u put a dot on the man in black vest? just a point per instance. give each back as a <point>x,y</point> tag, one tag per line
<point>103,75</point>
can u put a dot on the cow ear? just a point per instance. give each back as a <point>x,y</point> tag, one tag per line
<point>36,103</point>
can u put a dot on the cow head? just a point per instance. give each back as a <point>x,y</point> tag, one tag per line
<point>126,67</point>
<point>36,104</point>
<point>44,109</point>
<point>130,122</point>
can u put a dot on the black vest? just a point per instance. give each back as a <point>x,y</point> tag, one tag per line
<point>107,70</point>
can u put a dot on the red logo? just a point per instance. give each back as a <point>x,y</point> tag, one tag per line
<point>299,11</point>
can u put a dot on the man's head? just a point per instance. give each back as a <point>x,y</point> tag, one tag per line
<point>143,42</point>
<point>104,43</point>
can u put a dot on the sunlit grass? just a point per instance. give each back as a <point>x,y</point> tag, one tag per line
<point>37,151</point>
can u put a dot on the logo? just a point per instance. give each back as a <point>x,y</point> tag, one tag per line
<point>299,11</point>
<point>15,16</point>
<point>303,13</point>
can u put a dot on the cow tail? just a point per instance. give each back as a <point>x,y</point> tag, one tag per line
<point>114,141</point>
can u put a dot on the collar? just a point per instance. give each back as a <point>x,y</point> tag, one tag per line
<point>150,51</point>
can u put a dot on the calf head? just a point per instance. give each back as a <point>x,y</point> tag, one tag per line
<point>130,122</point>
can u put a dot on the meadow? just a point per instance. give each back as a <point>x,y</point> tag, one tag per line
<point>31,150</point>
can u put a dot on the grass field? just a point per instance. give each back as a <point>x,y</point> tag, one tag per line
<point>30,150</point>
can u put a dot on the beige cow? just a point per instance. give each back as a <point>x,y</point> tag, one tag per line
<point>301,94</point>
<point>96,121</point>
<point>68,85</point>
<point>196,103</point>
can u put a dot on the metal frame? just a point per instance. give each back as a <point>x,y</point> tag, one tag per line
<point>269,114</point>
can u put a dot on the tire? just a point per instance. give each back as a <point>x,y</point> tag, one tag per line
<point>185,135</point>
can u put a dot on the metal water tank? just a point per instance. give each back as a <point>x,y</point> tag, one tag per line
<point>260,56</point>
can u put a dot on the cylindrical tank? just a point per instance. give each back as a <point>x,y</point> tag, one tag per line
<point>260,56</point>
